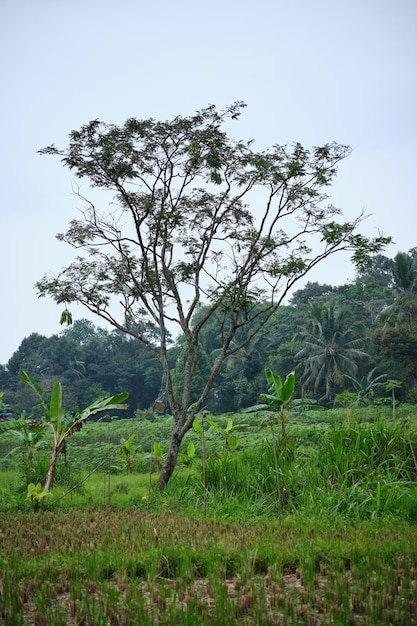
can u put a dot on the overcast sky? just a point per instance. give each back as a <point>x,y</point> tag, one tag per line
<point>312,71</point>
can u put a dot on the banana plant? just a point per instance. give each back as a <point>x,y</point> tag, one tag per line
<point>278,396</point>
<point>127,453</point>
<point>30,437</point>
<point>61,425</point>
<point>274,402</point>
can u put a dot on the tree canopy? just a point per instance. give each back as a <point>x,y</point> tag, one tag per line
<point>195,217</point>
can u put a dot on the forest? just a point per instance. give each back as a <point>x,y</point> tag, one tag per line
<point>343,342</point>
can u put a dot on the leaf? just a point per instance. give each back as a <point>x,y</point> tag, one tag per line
<point>66,317</point>
<point>214,425</point>
<point>56,412</point>
<point>197,425</point>
<point>103,404</point>
<point>36,493</point>
<point>274,381</point>
<point>232,442</point>
<point>191,450</point>
<point>157,452</point>
<point>271,401</point>
<point>13,425</point>
<point>34,385</point>
<point>288,388</point>
<point>257,407</point>
<point>128,443</point>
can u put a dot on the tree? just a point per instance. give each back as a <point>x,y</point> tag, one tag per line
<point>379,273</point>
<point>331,346</point>
<point>395,341</point>
<point>404,272</point>
<point>178,230</point>
<point>396,348</point>
<point>310,292</point>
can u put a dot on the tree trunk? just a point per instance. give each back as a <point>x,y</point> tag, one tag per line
<point>171,461</point>
<point>51,470</point>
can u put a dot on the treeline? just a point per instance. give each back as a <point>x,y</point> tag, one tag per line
<point>338,339</point>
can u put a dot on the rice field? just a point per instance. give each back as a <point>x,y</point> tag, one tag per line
<point>124,567</point>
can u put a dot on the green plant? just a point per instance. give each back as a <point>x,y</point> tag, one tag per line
<point>199,427</point>
<point>391,385</point>
<point>230,441</point>
<point>36,493</point>
<point>365,387</point>
<point>345,399</point>
<point>127,453</point>
<point>30,436</point>
<point>274,404</point>
<point>64,426</point>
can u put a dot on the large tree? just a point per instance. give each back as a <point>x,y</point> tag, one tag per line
<point>178,230</point>
<point>331,346</point>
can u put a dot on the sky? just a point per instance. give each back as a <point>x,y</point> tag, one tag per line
<point>310,71</point>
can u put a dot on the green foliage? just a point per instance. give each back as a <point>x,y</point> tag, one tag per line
<point>331,346</point>
<point>366,386</point>
<point>366,467</point>
<point>230,440</point>
<point>391,385</point>
<point>345,399</point>
<point>36,493</point>
<point>127,453</point>
<point>278,397</point>
<point>61,427</point>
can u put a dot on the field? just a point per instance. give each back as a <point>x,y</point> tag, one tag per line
<point>106,548</point>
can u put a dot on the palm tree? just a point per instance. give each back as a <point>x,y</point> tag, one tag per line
<point>331,346</point>
<point>404,272</point>
<point>403,311</point>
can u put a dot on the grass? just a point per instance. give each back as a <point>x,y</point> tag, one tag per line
<point>107,549</point>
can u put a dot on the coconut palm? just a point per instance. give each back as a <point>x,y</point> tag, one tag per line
<point>330,347</point>
<point>403,311</point>
<point>404,272</point>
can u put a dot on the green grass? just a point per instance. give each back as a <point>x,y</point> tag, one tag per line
<point>105,548</point>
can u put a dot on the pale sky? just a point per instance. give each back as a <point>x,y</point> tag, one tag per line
<point>312,71</point>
